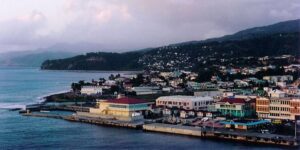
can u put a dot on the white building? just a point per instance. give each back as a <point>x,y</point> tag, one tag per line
<point>110,82</point>
<point>208,93</point>
<point>91,90</point>
<point>276,94</point>
<point>281,84</point>
<point>185,102</point>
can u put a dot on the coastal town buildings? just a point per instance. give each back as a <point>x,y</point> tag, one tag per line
<point>185,102</point>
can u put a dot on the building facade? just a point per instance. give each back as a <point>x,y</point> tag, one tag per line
<point>185,102</point>
<point>235,107</point>
<point>146,90</point>
<point>91,90</point>
<point>278,108</point>
<point>127,109</point>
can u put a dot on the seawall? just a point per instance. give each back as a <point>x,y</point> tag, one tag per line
<point>250,137</point>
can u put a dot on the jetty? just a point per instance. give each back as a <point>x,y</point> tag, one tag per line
<point>91,120</point>
<point>106,122</point>
<point>55,116</point>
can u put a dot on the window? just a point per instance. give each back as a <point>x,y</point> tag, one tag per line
<point>117,106</point>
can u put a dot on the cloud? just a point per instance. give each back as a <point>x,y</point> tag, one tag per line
<point>134,24</point>
<point>22,31</point>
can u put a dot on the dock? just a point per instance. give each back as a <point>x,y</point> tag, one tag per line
<point>173,129</point>
<point>55,116</point>
<point>258,138</point>
<point>241,136</point>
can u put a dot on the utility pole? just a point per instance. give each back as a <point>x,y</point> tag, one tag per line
<point>295,127</point>
<point>213,125</point>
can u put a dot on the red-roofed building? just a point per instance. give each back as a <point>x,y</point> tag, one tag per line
<point>235,107</point>
<point>124,108</point>
<point>126,100</point>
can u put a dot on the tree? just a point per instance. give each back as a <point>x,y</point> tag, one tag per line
<point>76,87</point>
<point>111,77</point>
<point>138,80</point>
<point>204,75</point>
<point>81,82</point>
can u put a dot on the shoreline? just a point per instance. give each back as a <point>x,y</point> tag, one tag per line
<point>93,71</point>
<point>22,106</point>
<point>180,130</point>
<point>43,98</point>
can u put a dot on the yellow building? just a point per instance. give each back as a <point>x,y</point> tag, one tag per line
<point>127,109</point>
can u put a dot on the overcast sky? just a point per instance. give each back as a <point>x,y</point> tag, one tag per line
<point>131,24</point>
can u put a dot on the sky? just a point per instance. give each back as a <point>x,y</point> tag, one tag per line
<point>123,25</point>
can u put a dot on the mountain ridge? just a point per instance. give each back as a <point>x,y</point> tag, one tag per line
<point>277,39</point>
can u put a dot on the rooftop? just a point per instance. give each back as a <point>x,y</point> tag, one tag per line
<point>233,100</point>
<point>127,100</point>
<point>251,123</point>
<point>183,97</point>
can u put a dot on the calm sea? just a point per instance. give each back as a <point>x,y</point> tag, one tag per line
<point>21,86</point>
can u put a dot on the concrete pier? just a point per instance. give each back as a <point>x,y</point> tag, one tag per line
<point>173,129</point>
<point>222,134</point>
<point>91,120</point>
<point>242,136</point>
<point>106,122</point>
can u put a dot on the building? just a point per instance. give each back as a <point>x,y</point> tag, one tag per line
<point>274,79</point>
<point>235,107</point>
<point>146,90</point>
<point>244,125</point>
<point>278,108</point>
<point>185,102</point>
<point>208,86</point>
<point>127,109</point>
<point>91,90</point>
<point>175,82</point>
<point>110,82</point>
<point>276,94</point>
<point>194,85</point>
<point>208,93</point>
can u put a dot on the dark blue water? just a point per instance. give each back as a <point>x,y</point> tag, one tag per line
<point>20,86</point>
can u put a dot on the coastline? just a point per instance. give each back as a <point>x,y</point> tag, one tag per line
<point>22,106</point>
<point>43,98</point>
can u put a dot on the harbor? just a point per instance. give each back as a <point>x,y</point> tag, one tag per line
<point>197,132</point>
<point>207,110</point>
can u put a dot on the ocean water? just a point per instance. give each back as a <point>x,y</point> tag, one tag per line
<point>21,86</point>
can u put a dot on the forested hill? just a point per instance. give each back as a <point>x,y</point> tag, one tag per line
<point>278,39</point>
